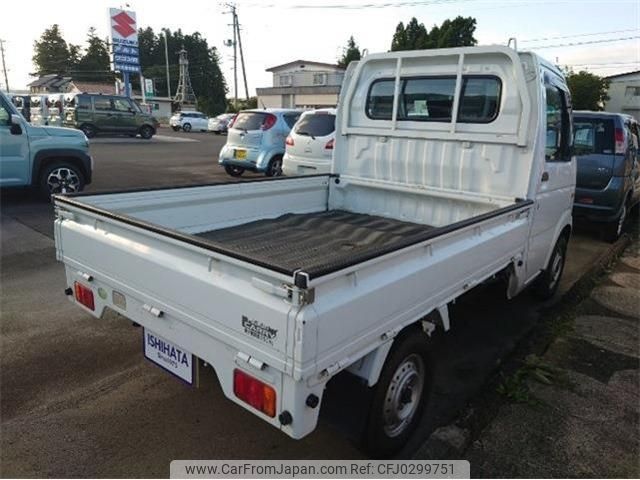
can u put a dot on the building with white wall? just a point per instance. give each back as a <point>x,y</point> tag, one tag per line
<point>302,84</point>
<point>624,94</point>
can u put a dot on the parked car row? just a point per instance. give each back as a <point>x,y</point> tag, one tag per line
<point>191,120</point>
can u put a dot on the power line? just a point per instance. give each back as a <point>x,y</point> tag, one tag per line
<point>586,43</point>
<point>577,35</point>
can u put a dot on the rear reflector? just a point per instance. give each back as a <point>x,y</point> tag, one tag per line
<point>84,295</point>
<point>254,392</point>
<point>289,141</point>
<point>585,200</point>
<point>329,145</point>
<point>620,141</point>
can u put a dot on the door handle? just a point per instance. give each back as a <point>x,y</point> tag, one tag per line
<point>545,176</point>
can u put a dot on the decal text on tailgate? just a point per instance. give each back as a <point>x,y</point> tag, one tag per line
<point>259,330</point>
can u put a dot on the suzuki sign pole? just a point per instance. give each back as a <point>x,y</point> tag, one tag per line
<point>124,41</point>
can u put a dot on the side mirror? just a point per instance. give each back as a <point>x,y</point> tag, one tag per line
<point>16,124</point>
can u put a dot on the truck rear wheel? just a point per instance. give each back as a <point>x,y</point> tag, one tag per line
<point>548,281</point>
<point>399,396</point>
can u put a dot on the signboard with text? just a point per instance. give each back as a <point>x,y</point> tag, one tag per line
<point>124,40</point>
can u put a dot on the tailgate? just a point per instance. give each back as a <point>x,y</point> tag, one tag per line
<point>212,293</point>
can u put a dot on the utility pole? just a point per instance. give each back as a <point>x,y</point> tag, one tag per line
<point>244,71</point>
<point>166,60</point>
<point>237,42</point>
<point>235,58</point>
<point>4,66</point>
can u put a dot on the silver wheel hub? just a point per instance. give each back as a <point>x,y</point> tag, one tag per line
<point>556,267</point>
<point>63,180</point>
<point>403,395</point>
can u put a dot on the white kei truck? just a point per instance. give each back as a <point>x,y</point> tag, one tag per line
<point>451,167</point>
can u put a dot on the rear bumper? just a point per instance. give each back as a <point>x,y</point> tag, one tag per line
<point>600,206</point>
<point>293,165</point>
<point>257,160</point>
<point>223,357</point>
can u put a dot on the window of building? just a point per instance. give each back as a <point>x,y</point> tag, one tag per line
<point>632,92</point>
<point>319,78</point>
<point>431,99</point>
<point>285,80</point>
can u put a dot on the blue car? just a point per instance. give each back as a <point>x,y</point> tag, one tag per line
<point>256,141</point>
<point>608,177</point>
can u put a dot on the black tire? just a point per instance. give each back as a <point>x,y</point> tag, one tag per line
<point>547,283</point>
<point>89,130</point>
<point>186,127</point>
<point>274,169</point>
<point>175,129</point>
<point>614,229</point>
<point>217,132</point>
<point>234,170</point>
<point>146,132</point>
<point>60,177</point>
<point>402,389</point>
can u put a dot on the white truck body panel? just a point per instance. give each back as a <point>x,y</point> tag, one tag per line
<point>472,185</point>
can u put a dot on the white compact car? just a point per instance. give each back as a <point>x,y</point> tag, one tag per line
<point>188,121</point>
<point>310,143</point>
<point>220,124</point>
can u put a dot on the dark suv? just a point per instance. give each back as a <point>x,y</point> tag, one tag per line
<point>608,180</point>
<point>113,114</point>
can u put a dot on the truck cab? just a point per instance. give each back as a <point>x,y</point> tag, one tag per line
<point>50,159</point>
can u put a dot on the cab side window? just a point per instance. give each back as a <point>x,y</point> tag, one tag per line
<point>122,105</point>
<point>558,134</point>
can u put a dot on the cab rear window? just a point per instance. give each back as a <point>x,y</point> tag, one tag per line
<point>431,99</point>
<point>593,136</point>
<point>316,125</point>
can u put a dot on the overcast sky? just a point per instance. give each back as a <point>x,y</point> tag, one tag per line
<point>278,31</point>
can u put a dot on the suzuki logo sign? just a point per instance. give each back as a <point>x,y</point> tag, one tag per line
<point>124,24</point>
<point>124,40</point>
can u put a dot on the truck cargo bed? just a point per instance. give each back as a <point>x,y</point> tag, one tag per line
<point>317,242</point>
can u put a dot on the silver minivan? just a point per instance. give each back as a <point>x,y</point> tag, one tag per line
<point>256,141</point>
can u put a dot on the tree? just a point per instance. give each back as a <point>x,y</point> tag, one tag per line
<point>206,76</point>
<point>452,33</point>
<point>350,53</point>
<point>412,37</point>
<point>51,53</point>
<point>94,64</point>
<point>588,91</point>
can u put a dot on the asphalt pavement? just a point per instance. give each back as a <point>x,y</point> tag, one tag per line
<point>79,399</point>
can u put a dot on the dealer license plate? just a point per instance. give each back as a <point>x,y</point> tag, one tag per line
<point>175,360</point>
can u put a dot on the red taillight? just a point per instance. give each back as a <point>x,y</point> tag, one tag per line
<point>329,145</point>
<point>619,141</point>
<point>289,141</point>
<point>587,200</point>
<point>232,121</point>
<point>84,295</point>
<point>269,121</point>
<point>254,392</point>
